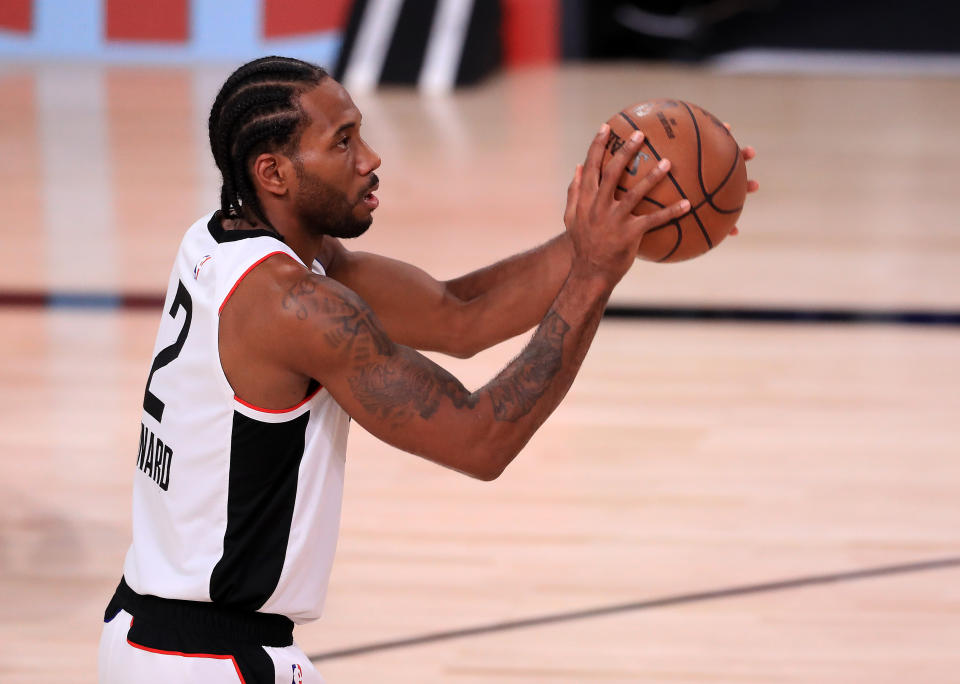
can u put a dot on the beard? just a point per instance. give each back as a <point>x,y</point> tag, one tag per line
<point>325,210</point>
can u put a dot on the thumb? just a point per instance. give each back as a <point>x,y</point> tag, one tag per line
<point>573,192</point>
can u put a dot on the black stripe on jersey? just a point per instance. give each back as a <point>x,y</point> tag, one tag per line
<point>218,233</point>
<point>264,464</point>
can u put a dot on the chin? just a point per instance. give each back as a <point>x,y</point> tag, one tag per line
<point>354,229</point>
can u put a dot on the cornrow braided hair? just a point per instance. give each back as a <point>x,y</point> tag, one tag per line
<point>257,110</point>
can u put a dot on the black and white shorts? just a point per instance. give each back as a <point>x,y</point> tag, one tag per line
<point>157,641</point>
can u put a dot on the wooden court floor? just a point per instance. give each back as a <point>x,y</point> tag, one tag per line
<point>713,502</point>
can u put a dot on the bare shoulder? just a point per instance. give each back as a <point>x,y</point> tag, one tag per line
<point>259,297</point>
<point>299,319</point>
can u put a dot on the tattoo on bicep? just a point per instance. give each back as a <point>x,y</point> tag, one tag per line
<point>387,380</point>
<point>354,328</point>
<point>529,375</point>
<point>298,298</point>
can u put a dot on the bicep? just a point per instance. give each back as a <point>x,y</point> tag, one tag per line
<point>413,307</point>
<point>394,392</point>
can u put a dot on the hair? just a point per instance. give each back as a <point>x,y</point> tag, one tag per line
<point>257,110</point>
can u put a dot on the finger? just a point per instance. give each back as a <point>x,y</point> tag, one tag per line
<point>752,186</point>
<point>636,194</point>
<point>573,191</point>
<point>748,153</point>
<point>734,231</point>
<point>574,184</point>
<point>615,166</point>
<point>661,216</point>
<point>591,166</point>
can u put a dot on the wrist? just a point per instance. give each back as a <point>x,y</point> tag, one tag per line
<point>589,282</point>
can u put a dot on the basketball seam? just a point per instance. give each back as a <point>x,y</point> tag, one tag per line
<point>693,211</point>
<point>708,195</point>
<point>656,204</point>
<point>660,205</point>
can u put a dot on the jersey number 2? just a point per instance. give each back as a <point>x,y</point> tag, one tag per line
<point>151,403</point>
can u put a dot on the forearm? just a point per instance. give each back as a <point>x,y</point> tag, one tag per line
<point>528,390</point>
<point>461,316</point>
<point>546,264</point>
<point>512,295</point>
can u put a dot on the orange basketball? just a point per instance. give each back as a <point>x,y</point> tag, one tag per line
<point>706,168</point>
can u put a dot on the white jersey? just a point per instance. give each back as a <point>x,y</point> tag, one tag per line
<point>232,503</point>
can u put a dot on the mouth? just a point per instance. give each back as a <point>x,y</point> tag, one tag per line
<point>370,200</point>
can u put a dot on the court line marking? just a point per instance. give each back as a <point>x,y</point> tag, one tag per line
<point>835,62</point>
<point>739,314</point>
<point>678,599</point>
<point>761,314</point>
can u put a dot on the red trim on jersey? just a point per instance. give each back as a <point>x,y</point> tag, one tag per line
<point>240,279</point>
<point>226,656</point>
<point>286,410</point>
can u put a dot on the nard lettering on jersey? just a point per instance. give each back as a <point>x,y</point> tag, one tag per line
<point>155,457</point>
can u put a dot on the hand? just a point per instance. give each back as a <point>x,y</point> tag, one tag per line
<point>604,232</point>
<point>752,185</point>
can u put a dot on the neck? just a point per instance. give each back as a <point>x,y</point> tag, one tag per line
<point>307,247</point>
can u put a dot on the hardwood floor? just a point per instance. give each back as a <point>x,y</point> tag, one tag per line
<point>689,457</point>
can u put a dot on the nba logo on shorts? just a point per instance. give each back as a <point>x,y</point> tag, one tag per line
<point>297,674</point>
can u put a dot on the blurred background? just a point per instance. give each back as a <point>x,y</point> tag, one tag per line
<point>754,477</point>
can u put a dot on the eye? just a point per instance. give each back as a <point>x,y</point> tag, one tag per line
<point>344,142</point>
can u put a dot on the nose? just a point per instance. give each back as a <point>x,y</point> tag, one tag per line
<point>368,160</point>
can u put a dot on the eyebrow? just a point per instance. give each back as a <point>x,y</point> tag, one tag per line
<point>343,127</point>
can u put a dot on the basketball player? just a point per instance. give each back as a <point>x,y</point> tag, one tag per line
<point>274,335</point>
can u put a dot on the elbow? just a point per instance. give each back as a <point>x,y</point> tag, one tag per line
<point>488,474</point>
<point>463,342</point>
<point>490,464</point>
<point>483,449</point>
<point>462,347</point>
<point>463,338</point>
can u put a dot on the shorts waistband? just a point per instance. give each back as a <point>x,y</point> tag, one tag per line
<point>265,629</point>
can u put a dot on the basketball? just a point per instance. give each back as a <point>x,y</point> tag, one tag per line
<point>706,168</point>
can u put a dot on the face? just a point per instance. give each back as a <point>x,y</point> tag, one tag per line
<point>335,167</point>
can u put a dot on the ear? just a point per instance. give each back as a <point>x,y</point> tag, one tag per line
<point>272,173</point>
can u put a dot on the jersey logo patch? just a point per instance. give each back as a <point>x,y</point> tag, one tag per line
<point>196,269</point>
<point>297,674</point>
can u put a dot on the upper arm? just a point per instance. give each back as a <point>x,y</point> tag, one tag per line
<point>323,330</point>
<point>414,308</point>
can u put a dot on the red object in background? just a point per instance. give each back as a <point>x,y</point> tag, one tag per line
<point>531,31</point>
<point>157,20</point>
<point>16,15</point>
<point>297,17</point>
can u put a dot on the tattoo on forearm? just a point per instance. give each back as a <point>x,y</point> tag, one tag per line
<point>398,390</point>
<point>528,376</point>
